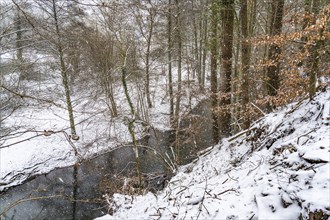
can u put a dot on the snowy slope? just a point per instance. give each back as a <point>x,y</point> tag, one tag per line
<point>277,169</point>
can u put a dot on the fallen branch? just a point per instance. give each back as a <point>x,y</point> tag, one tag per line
<point>296,106</point>
<point>228,190</point>
<point>232,178</point>
<point>241,133</point>
<point>314,129</point>
<point>201,205</point>
<point>255,167</point>
<point>320,113</point>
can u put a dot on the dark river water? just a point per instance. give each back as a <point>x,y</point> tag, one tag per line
<point>77,192</point>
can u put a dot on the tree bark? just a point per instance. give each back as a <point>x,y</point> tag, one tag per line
<point>245,63</point>
<point>227,18</point>
<point>178,95</point>
<point>131,122</point>
<point>149,37</point>
<point>179,54</point>
<point>196,68</point>
<point>273,80</point>
<point>313,61</point>
<point>169,57</point>
<point>204,53</point>
<point>214,67</point>
<point>64,73</point>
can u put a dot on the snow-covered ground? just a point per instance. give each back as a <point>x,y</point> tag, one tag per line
<point>33,152</point>
<point>277,169</point>
<point>26,151</point>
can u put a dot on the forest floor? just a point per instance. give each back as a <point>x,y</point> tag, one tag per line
<point>277,169</point>
<point>34,139</point>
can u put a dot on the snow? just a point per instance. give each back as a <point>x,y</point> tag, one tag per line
<point>279,169</point>
<point>27,152</point>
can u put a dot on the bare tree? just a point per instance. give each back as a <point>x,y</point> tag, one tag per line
<point>64,74</point>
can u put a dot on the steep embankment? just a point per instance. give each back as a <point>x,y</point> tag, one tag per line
<point>277,169</point>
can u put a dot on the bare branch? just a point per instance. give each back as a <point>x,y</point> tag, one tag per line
<point>25,15</point>
<point>31,97</point>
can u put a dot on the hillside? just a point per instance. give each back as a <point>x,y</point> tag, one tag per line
<point>277,169</point>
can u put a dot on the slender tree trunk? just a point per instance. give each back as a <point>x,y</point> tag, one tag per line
<point>75,190</point>
<point>273,80</point>
<point>169,57</point>
<point>203,62</point>
<point>151,16</point>
<point>236,109</point>
<point>178,38</point>
<point>245,65</point>
<point>214,67</point>
<point>179,54</point>
<point>131,123</point>
<point>313,60</point>
<point>200,51</point>
<point>111,81</point>
<point>196,68</point>
<point>73,60</point>
<point>227,18</point>
<point>112,101</point>
<point>64,74</point>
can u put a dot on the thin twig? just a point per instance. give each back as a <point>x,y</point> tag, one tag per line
<point>27,200</point>
<point>254,105</point>
<point>27,139</point>
<point>22,96</point>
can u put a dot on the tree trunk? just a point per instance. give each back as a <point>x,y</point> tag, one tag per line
<point>313,60</point>
<point>131,122</point>
<point>151,16</point>
<point>227,18</point>
<point>179,54</point>
<point>214,67</point>
<point>169,57</point>
<point>273,81</point>
<point>203,62</point>
<point>178,95</point>
<point>245,64</point>
<point>64,74</point>
<point>196,68</point>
